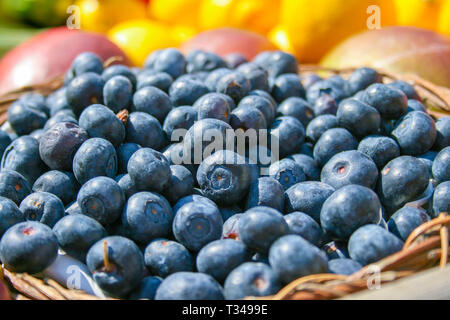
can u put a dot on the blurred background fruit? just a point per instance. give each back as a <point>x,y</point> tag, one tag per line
<point>258,16</point>
<point>181,12</point>
<point>101,15</point>
<point>49,54</point>
<point>41,13</point>
<point>314,27</point>
<point>138,38</point>
<point>444,18</point>
<point>224,41</point>
<point>397,49</point>
<point>4,293</point>
<point>418,13</point>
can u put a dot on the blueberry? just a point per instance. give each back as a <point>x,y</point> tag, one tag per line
<point>101,122</point>
<point>286,86</point>
<point>443,133</point>
<point>406,88</point>
<point>414,105</point>
<point>170,61</point>
<point>256,74</point>
<point>147,216</point>
<point>332,142</point>
<point>127,185</point>
<point>309,166</point>
<point>415,133</point>
<point>95,157</point>
<point>266,191</point>
<point>119,268</point>
<point>26,117</point>
<point>427,159</point>
<point>181,183</point>
<point>298,108</point>
<point>350,167</point>
<point>84,90</point>
<point>441,164</point>
<point>259,227</point>
<point>59,144</point>
<point>358,118</point>
<point>118,93</point>
<point>372,243</point>
<point>336,250</point>
<point>147,289</point>
<point>263,104</point>
<point>197,224</point>
<point>235,59</point>
<point>9,215</point>
<point>224,177</point>
<point>290,134</point>
<point>322,88</point>
<point>325,104</point>
<point>228,212</point>
<point>277,62</point>
<point>77,233</point>
<point>22,156</point>
<point>401,181</point>
<point>192,198</point>
<point>441,198</point>
<point>73,208</point>
<point>220,257</point>
<point>361,78</point>
<point>344,266</point>
<point>303,225</point>
<point>164,257</point>
<point>307,197</point>
<point>57,101</point>
<point>234,84</point>
<point>102,199</point>
<point>319,125</point>
<point>289,265</point>
<point>160,80</point>
<point>390,102</point>
<point>86,62</point>
<point>5,141</point>
<point>149,170</point>
<point>309,79</point>
<point>287,172</point>
<point>153,101</point>
<point>247,118</point>
<point>179,118</point>
<point>189,286</point>
<point>28,247</point>
<point>230,227</point>
<point>145,130</point>
<point>119,70</point>
<point>43,207</point>
<point>199,60</point>
<point>60,183</point>
<point>124,153</point>
<point>349,208</point>
<point>185,92</point>
<point>380,149</point>
<point>13,186</point>
<point>264,94</point>
<point>406,220</point>
<point>60,116</point>
<point>213,105</point>
<point>214,77</point>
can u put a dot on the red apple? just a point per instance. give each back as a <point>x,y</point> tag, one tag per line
<point>405,50</point>
<point>224,41</point>
<point>49,54</point>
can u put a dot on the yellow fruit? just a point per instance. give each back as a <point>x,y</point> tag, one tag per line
<point>418,13</point>
<point>444,18</point>
<point>183,33</point>
<point>258,16</point>
<point>280,38</point>
<point>138,38</point>
<point>184,12</point>
<point>101,15</point>
<point>314,27</point>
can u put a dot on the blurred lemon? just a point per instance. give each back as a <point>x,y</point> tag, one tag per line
<point>184,12</point>
<point>101,15</point>
<point>444,18</point>
<point>138,38</point>
<point>418,13</point>
<point>258,16</point>
<point>314,27</point>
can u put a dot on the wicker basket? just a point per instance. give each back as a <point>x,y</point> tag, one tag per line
<point>426,247</point>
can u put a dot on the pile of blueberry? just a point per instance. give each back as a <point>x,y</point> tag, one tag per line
<point>91,170</point>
